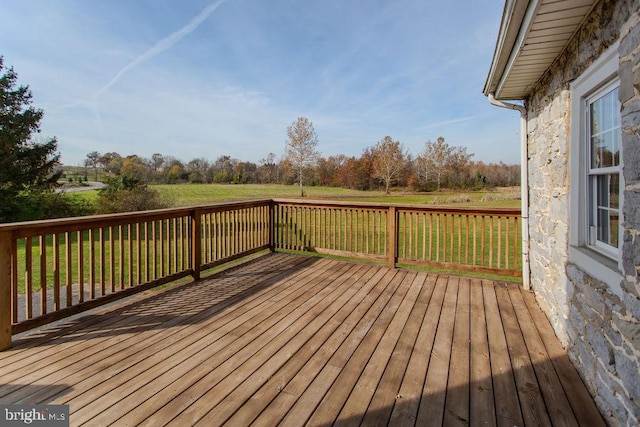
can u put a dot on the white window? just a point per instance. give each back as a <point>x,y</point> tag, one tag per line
<point>603,137</point>
<point>596,183</point>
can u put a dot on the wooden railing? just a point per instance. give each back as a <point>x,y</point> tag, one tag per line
<point>56,268</point>
<point>481,240</point>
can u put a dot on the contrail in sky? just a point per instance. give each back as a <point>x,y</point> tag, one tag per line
<point>162,45</point>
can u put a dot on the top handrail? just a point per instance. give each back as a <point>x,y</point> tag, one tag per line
<point>404,206</point>
<point>31,228</point>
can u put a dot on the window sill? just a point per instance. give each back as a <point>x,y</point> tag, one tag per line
<point>597,266</point>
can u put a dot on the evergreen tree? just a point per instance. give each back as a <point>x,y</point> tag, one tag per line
<point>27,168</point>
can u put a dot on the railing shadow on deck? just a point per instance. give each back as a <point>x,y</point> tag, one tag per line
<point>185,304</point>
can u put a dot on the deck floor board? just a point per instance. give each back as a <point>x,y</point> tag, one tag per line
<point>293,340</point>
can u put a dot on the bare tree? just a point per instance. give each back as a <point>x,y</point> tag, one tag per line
<point>268,164</point>
<point>199,170</point>
<point>92,160</point>
<point>157,162</point>
<point>388,159</point>
<point>301,146</point>
<point>439,159</point>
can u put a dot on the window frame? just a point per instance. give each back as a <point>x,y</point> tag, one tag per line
<point>593,173</point>
<point>601,261</point>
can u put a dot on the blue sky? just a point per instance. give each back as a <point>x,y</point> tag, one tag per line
<point>202,78</point>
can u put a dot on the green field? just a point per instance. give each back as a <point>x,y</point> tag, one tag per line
<point>202,194</point>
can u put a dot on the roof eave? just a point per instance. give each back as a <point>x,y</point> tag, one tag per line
<point>513,75</point>
<point>512,18</point>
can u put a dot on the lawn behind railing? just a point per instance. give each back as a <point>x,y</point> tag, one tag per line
<point>52,269</point>
<point>481,240</point>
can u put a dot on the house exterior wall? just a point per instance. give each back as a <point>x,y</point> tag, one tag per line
<point>599,323</point>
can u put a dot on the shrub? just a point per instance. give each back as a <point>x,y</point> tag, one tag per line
<point>460,198</point>
<point>33,206</point>
<point>124,194</point>
<point>500,196</point>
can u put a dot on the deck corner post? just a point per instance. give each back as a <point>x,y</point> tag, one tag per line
<point>5,289</point>
<point>196,244</point>
<point>392,232</point>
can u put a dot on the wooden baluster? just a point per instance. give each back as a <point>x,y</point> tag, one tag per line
<point>206,237</point>
<point>227,234</point>
<point>103,275</point>
<point>138,255</point>
<point>490,241</point>
<point>422,234</point>
<point>92,265</point>
<point>68,240</point>
<point>236,231</point>
<point>287,222</point>
<point>28,277</point>
<point>366,221</point>
<point>248,229</point>
<point>129,253</point>
<point>407,235</point>
<point>217,223</point>
<point>232,233</point>
<point>506,243</point>
<point>451,239</point>
<point>181,240</point>
<point>438,218</point>
<point>459,218</point>
<point>170,253</point>
<point>112,258</point>
<point>242,229</point>
<point>499,253</point>
<point>121,256</point>
<point>163,249</point>
<point>385,241</point>
<point>14,273</point>
<point>218,237</point>
<point>80,238</point>
<point>430,236</point>
<point>466,240</point>
<point>482,240</point>
<point>43,274</point>
<point>55,242</point>
<point>147,253</point>
<point>515,242</point>
<point>475,232</point>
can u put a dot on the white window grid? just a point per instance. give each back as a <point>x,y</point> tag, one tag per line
<point>604,232</point>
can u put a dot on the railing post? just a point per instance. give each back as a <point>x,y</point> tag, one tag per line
<point>196,244</point>
<point>5,289</point>
<point>392,232</point>
<point>272,226</point>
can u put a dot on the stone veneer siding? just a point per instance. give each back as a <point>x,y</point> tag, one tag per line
<point>600,330</point>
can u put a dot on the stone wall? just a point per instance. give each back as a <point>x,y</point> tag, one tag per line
<point>600,328</point>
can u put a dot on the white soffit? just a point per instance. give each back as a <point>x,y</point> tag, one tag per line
<point>543,32</point>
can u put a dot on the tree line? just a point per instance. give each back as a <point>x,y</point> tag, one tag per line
<point>380,167</point>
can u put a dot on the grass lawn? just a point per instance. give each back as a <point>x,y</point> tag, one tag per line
<point>201,194</point>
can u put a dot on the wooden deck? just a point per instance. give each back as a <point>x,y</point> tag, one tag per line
<point>300,340</point>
